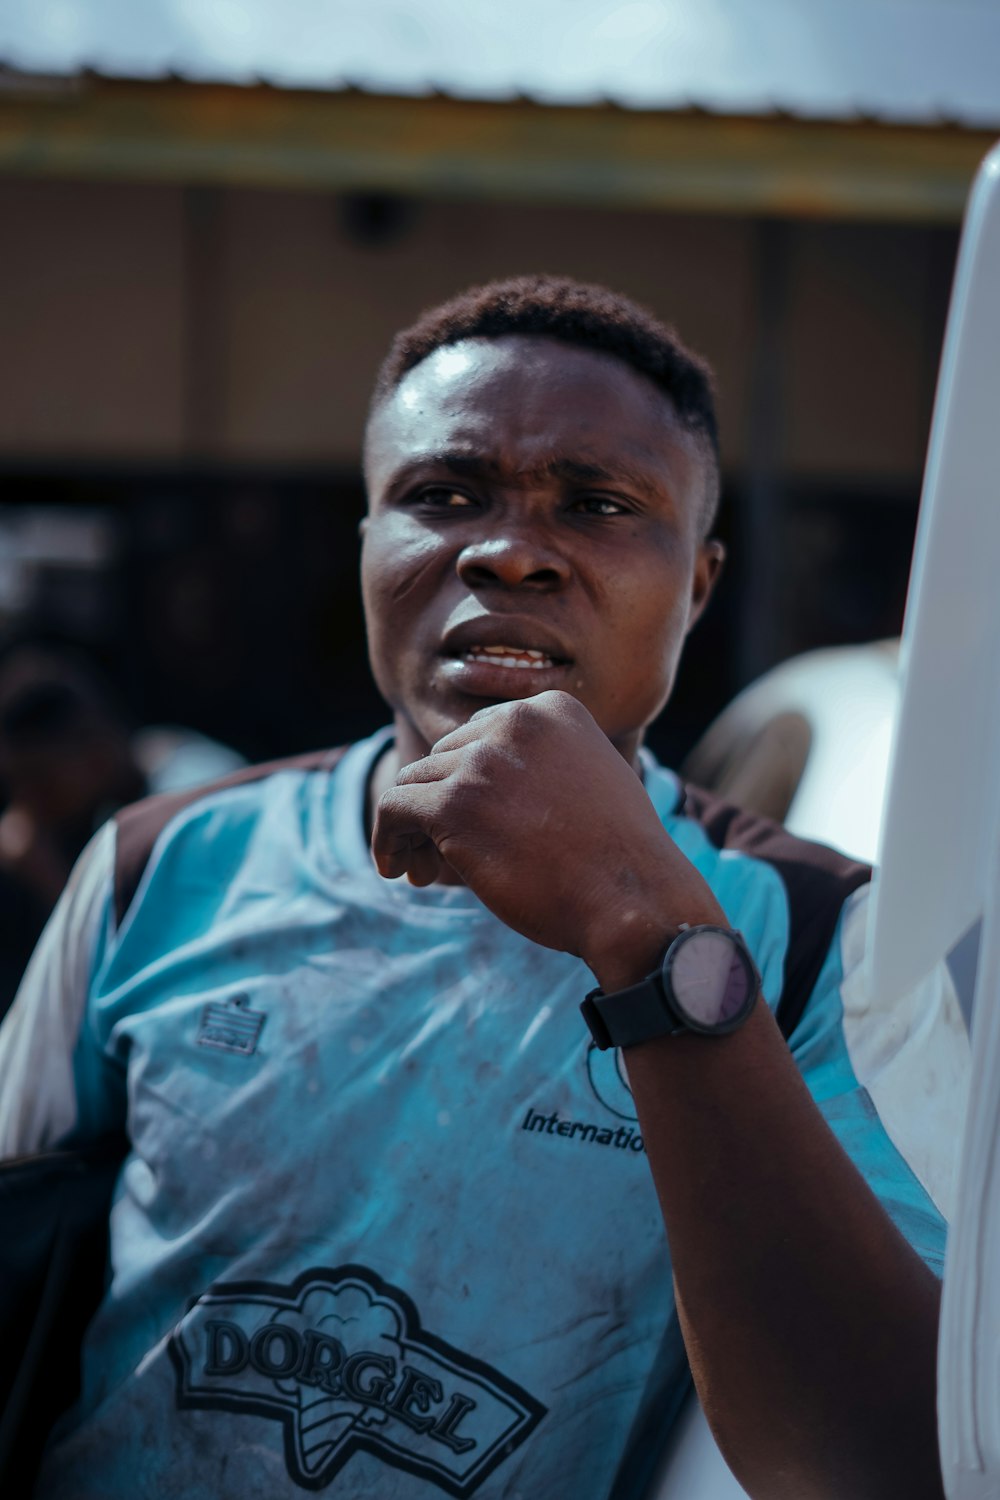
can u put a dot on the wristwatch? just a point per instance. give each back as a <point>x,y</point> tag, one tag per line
<point>706,982</point>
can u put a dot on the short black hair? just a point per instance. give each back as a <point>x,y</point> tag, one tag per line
<point>575,312</point>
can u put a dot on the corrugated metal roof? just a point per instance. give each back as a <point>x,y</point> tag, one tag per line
<point>901,61</point>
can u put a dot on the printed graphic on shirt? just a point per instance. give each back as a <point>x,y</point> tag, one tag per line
<point>232,1025</point>
<point>609,1086</point>
<point>609,1081</point>
<point>340,1360</point>
<point>625,1137</point>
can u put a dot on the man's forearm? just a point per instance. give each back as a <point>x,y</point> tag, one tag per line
<point>810,1323</point>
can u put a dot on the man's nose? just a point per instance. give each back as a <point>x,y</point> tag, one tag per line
<point>513,558</point>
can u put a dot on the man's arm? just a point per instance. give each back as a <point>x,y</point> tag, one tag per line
<point>39,1054</point>
<point>810,1322</point>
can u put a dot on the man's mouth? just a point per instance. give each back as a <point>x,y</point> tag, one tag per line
<point>524,658</point>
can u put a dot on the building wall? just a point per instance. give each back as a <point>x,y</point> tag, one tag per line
<point>91,320</point>
<point>150,323</point>
<point>185,373</point>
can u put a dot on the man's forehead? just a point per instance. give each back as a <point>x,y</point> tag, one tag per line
<point>454,373</point>
<point>559,402</point>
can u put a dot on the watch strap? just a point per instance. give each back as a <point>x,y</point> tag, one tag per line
<point>631,1015</point>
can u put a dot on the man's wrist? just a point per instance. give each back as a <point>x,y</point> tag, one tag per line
<point>630,948</point>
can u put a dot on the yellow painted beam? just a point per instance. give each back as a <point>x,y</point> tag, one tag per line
<point>518,151</point>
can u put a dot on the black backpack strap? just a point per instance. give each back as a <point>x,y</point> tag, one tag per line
<point>54,1210</point>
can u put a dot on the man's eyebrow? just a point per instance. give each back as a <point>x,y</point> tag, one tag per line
<point>567,470</point>
<point>475,465</point>
<point>575,471</point>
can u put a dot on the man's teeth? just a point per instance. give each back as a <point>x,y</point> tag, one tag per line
<point>510,656</point>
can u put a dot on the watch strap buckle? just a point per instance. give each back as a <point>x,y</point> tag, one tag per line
<point>595,1021</point>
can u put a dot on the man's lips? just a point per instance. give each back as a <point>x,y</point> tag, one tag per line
<point>510,644</point>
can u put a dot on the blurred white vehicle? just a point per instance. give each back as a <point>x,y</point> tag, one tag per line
<point>939,852</point>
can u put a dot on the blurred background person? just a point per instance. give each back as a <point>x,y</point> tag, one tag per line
<point>69,757</point>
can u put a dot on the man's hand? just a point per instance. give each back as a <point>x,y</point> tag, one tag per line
<point>539,814</point>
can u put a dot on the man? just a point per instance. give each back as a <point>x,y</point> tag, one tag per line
<point>390,1221</point>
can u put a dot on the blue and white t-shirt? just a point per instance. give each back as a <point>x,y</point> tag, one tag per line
<point>386,1226</point>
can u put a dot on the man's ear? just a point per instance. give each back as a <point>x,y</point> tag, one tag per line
<point>362,527</point>
<point>707,567</point>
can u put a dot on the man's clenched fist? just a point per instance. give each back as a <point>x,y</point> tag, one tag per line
<point>536,811</point>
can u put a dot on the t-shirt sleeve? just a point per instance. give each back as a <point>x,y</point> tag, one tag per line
<point>891,1081</point>
<point>55,1084</point>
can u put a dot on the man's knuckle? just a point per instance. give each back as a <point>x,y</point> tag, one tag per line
<point>525,720</point>
<point>479,763</point>
<point>412,773</point>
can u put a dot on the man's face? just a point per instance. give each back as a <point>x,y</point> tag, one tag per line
<point>535,523</point>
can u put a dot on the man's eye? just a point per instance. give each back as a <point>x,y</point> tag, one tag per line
<point>600,505</point>
<point>442,498</point>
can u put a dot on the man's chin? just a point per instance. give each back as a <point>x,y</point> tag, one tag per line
<point>418,731</point>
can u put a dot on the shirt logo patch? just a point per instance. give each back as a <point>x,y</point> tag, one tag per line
<point>339,1358</point>
<point>231,1025</point>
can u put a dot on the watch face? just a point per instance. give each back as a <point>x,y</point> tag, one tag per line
<point>711,978</point>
